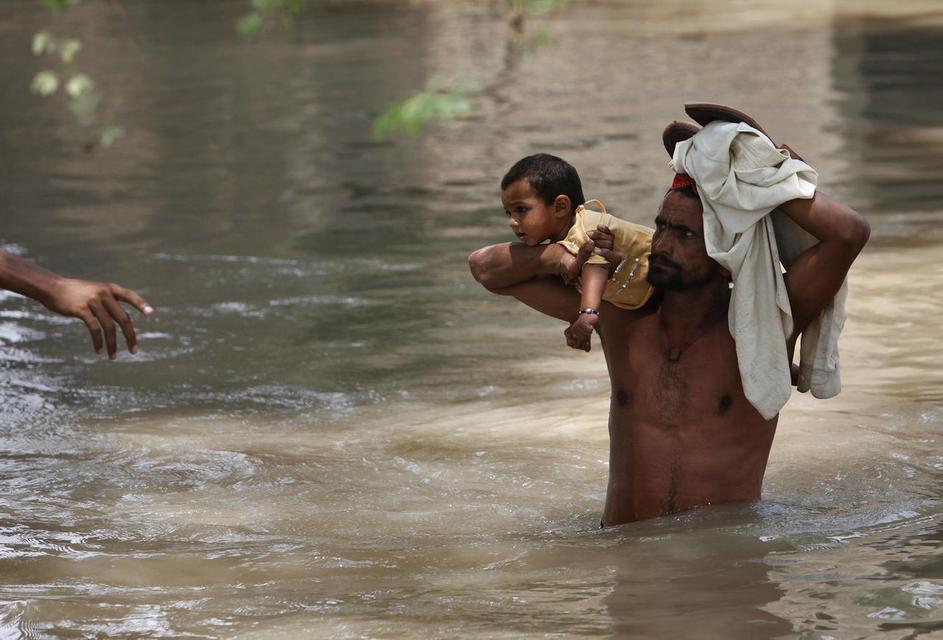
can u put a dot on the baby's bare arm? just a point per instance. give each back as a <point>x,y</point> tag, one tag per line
<point>580,333</point>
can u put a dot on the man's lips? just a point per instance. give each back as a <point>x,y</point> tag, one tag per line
<point>662,263</point>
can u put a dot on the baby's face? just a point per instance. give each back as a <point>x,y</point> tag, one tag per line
<point>530,218</point>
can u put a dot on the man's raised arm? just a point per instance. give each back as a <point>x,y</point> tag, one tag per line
<point>814,278</point>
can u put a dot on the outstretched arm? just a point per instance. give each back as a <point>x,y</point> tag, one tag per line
<point>94,303</point>
<point>813,279</point>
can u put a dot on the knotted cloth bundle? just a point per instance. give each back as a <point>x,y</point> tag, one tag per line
<point>741,178</point>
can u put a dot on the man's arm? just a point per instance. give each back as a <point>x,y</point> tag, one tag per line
<point>529,273</point>
<point>94,303</point>
<point>502,265</point>
<point>548,295</point>
<point>813,279</point>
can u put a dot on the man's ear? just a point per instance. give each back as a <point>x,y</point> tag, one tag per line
<point>562,206</point>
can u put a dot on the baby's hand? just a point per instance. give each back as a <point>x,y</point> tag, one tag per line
<point>579,333</point>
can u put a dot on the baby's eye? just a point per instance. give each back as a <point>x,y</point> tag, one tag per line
<point>520,209</point>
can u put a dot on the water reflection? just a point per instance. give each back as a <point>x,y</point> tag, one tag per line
<point>680,587</point>
<point>897,144</point>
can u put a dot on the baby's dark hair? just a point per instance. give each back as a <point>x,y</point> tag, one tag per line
<point>549,176</point>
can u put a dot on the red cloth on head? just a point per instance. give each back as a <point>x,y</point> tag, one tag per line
<point>683,180</point>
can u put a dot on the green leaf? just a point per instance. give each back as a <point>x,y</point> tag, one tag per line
<point>409,115</point>
<point>45,83</point>
<point>249,24</point>
<point>83,106</point>
<point>109,135</point>
<point>43,42</point>
<point>69,48</point>
<point>79,84</point>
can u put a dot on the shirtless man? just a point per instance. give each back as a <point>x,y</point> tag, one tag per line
<point>682,433</point>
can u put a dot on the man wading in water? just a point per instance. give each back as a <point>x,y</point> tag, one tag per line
<point>682,432</point>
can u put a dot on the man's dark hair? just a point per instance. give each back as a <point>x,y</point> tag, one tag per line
<point>549,176</point>
<point>687,191</point>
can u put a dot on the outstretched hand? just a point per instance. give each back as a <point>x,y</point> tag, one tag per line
<point>97,304</point>
<point>579,334</point>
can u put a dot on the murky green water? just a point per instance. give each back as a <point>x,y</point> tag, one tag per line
<point>331,431</point>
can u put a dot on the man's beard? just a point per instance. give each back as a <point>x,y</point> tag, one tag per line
<point>672,277</point>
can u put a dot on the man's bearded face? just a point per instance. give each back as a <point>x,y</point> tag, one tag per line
<point>679,257</point>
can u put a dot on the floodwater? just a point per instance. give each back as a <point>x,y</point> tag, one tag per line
<point>332,432</point>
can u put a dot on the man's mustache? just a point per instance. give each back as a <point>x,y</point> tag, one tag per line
<point>662,261</point>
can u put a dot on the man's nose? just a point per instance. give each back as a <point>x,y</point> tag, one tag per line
<point>659,244</point>
<point>663,248</point>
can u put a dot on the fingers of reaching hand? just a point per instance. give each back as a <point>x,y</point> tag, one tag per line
<point>103,315</point>
<point>93,328</point>
<point>118,313</point>
<point>98,305</point>
<point>132,298</point>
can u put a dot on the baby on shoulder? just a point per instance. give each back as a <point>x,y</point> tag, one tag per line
<point>543,199</point>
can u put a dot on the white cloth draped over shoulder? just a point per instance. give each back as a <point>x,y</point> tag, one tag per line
<point>741,178</point>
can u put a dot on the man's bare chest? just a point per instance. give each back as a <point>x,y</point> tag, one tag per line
<point>658,382</point>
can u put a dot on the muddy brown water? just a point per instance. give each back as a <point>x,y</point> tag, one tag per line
<point>331,431</point>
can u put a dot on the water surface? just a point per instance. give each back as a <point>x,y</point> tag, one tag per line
<point>331,431</point>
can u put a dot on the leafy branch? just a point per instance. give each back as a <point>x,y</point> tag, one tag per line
<point>445,103</point>
<point>433,103</point>
<point>82,98</point>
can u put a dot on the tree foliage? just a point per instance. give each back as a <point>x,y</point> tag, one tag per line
<point>79,90</point>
